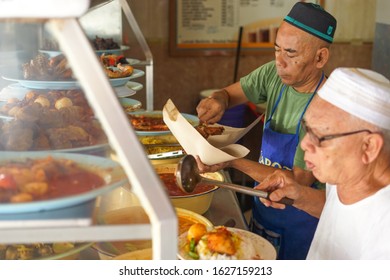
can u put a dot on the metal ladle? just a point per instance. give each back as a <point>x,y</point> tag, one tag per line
<point>187,178</point>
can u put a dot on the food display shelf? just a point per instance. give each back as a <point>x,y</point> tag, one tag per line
<point>102,98</point>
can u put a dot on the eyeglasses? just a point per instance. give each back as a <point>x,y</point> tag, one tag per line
<point>318,140</point>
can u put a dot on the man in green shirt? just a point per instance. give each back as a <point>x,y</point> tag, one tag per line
<point>287,84</point>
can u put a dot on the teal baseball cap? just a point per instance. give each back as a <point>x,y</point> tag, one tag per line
<point>313,19</point>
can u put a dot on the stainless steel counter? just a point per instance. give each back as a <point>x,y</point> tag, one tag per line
<point>225,210</point>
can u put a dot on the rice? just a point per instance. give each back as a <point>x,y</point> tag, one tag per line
<point>205,254</point>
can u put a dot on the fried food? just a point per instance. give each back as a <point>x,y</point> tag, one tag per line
<point>104,43</point>
<point>120,71</point>
<point>207,130</point>
<point>148,123</point>
<point>44,68</point>
<point>196,231</point>
<point>50,120</point>
<point>221,241</point>
<point>116,66</point>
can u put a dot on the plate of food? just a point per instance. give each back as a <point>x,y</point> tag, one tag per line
<point>63,121</point>
<point>41,181</point>
<point>152,123</point>
<point>224,243</point>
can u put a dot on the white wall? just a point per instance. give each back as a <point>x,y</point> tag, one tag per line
<point>383,11</point>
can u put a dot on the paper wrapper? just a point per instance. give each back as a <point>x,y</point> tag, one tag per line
<point>216,149</point>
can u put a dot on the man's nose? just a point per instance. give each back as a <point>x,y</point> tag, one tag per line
<point>280,62</point>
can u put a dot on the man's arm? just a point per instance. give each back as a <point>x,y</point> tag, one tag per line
<point>310,200</point>
<point>211,109</point>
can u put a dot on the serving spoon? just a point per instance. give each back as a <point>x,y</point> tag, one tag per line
<point>188,177</point>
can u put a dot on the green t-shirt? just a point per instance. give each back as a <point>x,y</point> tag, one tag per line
<point>264,85</point>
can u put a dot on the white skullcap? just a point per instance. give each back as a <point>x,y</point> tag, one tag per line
<point>360,92</point>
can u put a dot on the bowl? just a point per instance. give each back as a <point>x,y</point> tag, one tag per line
<point>43,251</point>
<point>139,249</point>
<point>126,215</point>
<point>196,202</point>
<point>187,218</point>
<point>106,174</point>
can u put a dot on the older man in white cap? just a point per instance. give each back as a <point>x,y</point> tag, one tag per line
<point>347,145</point>
<point>288,85</point>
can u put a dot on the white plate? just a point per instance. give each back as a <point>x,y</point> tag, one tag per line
<point>13,91</point>
<point>113,51</point>
<point>99,52</point>
<point>132,61</point>
<point>134,86</point>
<point>136,74</point>
<point>111,171</point>
<point>129,89</point>
<point>261,248</point>
<point>63,85</point>
<point>50,53</point>
<point>194,120</point>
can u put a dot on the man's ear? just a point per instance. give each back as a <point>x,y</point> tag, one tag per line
<point>372,145</point>
<point>322,57</point>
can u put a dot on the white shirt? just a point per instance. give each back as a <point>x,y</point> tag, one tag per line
<point>357,231</point>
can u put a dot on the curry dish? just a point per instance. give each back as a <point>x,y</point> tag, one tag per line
<point>46,178</point>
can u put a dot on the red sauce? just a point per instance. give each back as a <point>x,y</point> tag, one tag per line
<point>45,178</point>
<point>76,183</point>
<point>173,189</point>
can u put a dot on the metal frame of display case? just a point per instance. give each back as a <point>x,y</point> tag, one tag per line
<point>140,173</point>
<point>146,50</point>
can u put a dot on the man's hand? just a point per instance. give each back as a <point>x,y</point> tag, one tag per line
<point>210,168</point>
<point>280,185</point>
<point>211,109</point>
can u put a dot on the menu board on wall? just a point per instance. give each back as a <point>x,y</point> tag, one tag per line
<point>212,26</point>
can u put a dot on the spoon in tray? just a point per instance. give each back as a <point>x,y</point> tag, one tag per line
<point>188,177</point>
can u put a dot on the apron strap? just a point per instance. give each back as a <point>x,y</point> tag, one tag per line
<point>307,104</point>
<point>276,103</point>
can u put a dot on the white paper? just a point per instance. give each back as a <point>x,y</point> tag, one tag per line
<point>223,148</point>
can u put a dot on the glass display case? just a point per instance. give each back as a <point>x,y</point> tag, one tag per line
<point>60,113</point>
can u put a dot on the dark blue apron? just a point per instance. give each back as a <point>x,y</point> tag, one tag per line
<point>290,230</point>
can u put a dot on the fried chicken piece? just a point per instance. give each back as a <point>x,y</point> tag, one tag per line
<point>17,135</point>
<point>19,139</point>
<point>206,130</point>
<point>220,241</point>
<point>30,113</point>
<point>51,118</point>
<point>41,142</point>
<point>63,138</point>
<point>72,114</point>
